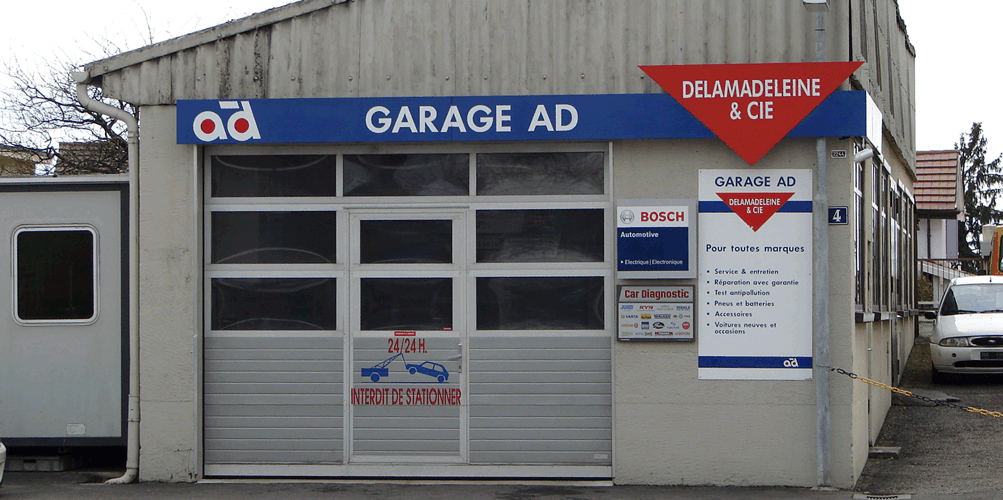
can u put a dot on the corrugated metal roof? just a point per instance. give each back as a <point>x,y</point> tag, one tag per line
<point>938,181</point>
<point>382,48</point>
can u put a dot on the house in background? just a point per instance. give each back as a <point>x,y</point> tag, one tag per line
<point>18,161</point>
<point>940,210</point>
<point>92,157</point>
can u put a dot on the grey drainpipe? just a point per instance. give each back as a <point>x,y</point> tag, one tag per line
<point>132,457</point>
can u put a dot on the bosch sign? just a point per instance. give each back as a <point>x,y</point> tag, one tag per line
<point>663,216</point>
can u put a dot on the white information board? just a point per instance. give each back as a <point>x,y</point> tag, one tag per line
<point>755,286</point>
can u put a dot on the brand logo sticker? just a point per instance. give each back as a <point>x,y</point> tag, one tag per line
<point>240,125</point>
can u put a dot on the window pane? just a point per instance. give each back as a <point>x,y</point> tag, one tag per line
<point>540,173</point>
<point>55,275</point>
<point>573,303</point>
<point>274,304</point>
<point>274,237</point>
<point>406,303</point>
<point>406,241</point>
<point>274,175</point>
<point>407,175</point>
<point>540,235</point>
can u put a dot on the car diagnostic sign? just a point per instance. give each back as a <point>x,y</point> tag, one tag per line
<point>655,313</point>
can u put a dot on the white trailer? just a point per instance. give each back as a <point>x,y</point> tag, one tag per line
<point>63,340</point>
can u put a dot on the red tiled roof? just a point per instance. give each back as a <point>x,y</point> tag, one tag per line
<point>937,181</point>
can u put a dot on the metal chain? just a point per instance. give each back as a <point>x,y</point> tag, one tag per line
<point>875,383</point>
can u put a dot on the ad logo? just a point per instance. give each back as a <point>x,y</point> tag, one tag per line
<point>208,125</point>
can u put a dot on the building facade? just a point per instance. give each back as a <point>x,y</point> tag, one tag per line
<point>390,239</point>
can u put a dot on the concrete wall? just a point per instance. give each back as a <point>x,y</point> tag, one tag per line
<point>168,298</point>
<point>672,428</point>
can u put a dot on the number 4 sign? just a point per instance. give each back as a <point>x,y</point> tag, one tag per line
<point>838,216</point>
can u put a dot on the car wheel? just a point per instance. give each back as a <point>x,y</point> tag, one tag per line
<point>412,371</point>
<point>441,379</point>
<point>937,376</point>
<point>375,377</point>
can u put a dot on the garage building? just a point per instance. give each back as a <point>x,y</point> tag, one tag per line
<point>387,239</point>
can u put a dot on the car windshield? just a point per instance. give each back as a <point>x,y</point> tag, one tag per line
<point>976,298</point>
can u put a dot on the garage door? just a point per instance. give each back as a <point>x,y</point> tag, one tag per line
<point>441,314</point>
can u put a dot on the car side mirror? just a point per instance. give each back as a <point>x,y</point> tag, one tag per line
<point>930,314</point>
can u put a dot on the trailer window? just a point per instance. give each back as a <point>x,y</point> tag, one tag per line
<point>55,274</point>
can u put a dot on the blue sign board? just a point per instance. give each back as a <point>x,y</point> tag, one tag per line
<point>476,118</point>
<point>838,216</point>
<point>654,239</point>
<point>653,249</point>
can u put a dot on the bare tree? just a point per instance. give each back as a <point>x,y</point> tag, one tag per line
<point>40,117</point>
<point>40,110</point>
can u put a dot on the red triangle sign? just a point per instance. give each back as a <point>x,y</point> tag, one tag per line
<point>751,107</point>
<point>753,207</point>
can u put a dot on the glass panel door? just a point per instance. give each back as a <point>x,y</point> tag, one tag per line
<point>406,401</point>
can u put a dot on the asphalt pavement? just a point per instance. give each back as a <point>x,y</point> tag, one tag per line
<point>945,451</point>
<point>945,454</point>
<point>81,485</point>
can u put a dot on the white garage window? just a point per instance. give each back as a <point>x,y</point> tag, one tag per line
<point>547,235</point>
<point>540,303</point>
<point>260,237</point>
<point>273,304</point>
<point>571,173</point>
<point>407,175</point>
<point>273,175</point>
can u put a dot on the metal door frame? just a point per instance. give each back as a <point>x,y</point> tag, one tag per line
<point>457,271</point>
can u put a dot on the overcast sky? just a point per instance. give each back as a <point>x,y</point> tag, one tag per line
<point>957,59</point>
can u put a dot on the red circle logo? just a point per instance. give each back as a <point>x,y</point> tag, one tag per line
<point>241,125</point>
<point>207,126</point>
<point>686,325</point>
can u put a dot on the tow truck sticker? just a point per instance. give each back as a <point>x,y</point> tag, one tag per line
<point>403,382</point>
<point>429,368</point>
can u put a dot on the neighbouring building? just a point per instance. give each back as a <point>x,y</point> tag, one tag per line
<point>940,209</point>
<point>19,162</point>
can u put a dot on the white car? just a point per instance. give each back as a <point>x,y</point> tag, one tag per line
<point>968,329</point>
